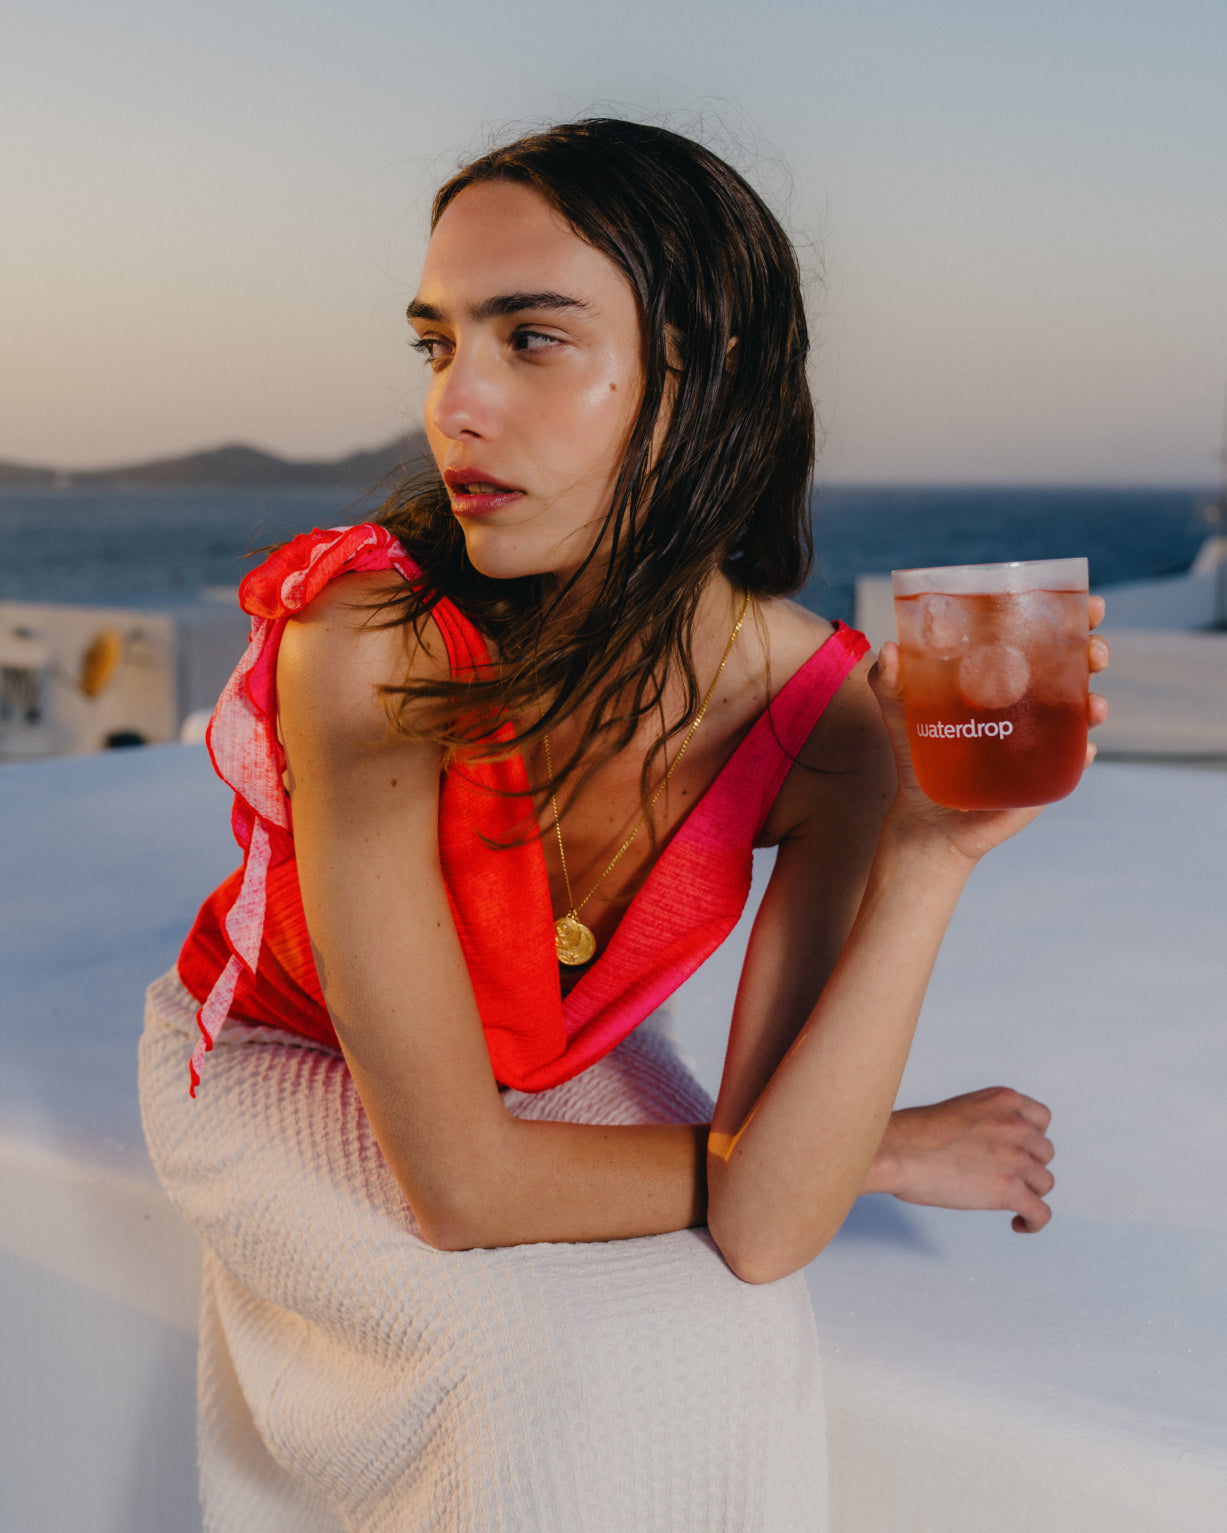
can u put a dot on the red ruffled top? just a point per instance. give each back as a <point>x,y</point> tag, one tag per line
<point>248,954</point>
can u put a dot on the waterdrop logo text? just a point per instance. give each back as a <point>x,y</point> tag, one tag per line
<point>973,731</point>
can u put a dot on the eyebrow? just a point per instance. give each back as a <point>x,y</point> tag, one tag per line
<point>500,306</point>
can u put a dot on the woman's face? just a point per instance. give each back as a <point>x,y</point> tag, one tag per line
<point>534,349</point>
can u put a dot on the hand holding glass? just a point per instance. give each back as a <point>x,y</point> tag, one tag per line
<point>995,674</point>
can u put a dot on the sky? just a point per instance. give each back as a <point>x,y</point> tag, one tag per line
<point>1014,217</point>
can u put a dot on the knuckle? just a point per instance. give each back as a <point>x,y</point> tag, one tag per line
<point>1002,1099</point>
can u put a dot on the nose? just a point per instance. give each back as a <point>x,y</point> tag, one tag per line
<point>464,399</point>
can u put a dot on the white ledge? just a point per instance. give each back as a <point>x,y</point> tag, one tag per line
<point>975,1378</point>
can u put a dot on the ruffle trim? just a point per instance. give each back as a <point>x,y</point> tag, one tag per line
<point>242,734</point>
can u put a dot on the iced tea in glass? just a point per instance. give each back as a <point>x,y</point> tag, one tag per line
<point>995,680</point>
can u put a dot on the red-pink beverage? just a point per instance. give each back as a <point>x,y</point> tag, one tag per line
<point>995,680</point>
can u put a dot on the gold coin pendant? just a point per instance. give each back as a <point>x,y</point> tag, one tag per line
<point>573,942</point>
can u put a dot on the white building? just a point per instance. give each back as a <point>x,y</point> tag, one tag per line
<point>77,678</point>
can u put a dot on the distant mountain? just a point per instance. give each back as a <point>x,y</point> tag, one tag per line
<point>18,473</point>
<point>238,466</point>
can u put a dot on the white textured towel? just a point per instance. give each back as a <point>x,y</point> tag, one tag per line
<point>352,1377</point>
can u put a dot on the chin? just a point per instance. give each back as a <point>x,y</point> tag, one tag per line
<point>511,553</point>
<point>499,555</point>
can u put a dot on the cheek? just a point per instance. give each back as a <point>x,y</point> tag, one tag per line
<point>579,437</point>
<point>604,411</point>
<point>435,438</point>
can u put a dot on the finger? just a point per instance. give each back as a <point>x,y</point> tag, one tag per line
<point>1100,654</point>
<point>1096,708</point>
<point>1033,1214</point>
<point>1034,1112</point>
<point>1096,606</point>
<point>884,677</point>
<point>1092,750</point>
<point>1038,1146</point>
<point>1040,1180</point>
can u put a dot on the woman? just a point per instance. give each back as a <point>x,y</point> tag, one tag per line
<point>529,729</point>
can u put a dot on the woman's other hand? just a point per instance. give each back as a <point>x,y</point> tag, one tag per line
<point>986,1149</point>
<point>971,832</point>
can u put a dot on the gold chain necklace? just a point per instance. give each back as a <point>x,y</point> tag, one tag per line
<point>575,942</point>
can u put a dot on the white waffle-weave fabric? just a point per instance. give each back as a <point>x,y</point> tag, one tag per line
<point>353,1377</point>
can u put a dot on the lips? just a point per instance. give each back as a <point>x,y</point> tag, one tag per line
<point>474,492</point>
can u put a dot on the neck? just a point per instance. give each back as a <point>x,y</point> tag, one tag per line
<point>716,613</point>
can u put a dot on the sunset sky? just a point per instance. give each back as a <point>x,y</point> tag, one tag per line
<point>1015,216</point>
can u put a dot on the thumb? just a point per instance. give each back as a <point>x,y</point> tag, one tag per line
<point>886,675</point>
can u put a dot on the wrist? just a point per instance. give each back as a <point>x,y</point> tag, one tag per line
<point>887,1164</point>
<point>911,844</point>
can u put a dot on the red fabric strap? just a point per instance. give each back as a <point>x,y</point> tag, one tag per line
<point>249,955</point>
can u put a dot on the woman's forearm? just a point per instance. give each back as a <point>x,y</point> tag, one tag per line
<point>592,1183</point>
<point>781,1185</point>
<point>549,1181</point>
<point>776,1192</point>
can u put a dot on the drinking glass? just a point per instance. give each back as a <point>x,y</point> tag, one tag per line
<point>995,677</point>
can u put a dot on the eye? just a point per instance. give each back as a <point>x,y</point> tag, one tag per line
<point>432,348</point>
<point>536,341</point>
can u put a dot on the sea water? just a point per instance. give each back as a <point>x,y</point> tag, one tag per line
<point>112,545</point>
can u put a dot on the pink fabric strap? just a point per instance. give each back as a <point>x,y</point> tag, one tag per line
<point>697,890</point>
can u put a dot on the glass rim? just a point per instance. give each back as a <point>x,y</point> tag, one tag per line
<point>1015,575</point>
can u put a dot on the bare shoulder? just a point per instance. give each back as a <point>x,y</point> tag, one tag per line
<point>339,654</point>
<point>846,766</point>
<point>790,634</point>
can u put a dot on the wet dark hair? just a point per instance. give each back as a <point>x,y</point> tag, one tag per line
<point>720,304</point>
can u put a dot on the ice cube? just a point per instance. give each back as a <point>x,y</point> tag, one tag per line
<point>907,622</point>
<point>945,626</point>
<point>993,676</point>
<point>1051,613</point>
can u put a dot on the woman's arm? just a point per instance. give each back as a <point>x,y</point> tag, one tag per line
<point>787,1158</point>
<point>784,1170</point>
<point>365,806</point>
<point>365,809</point>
